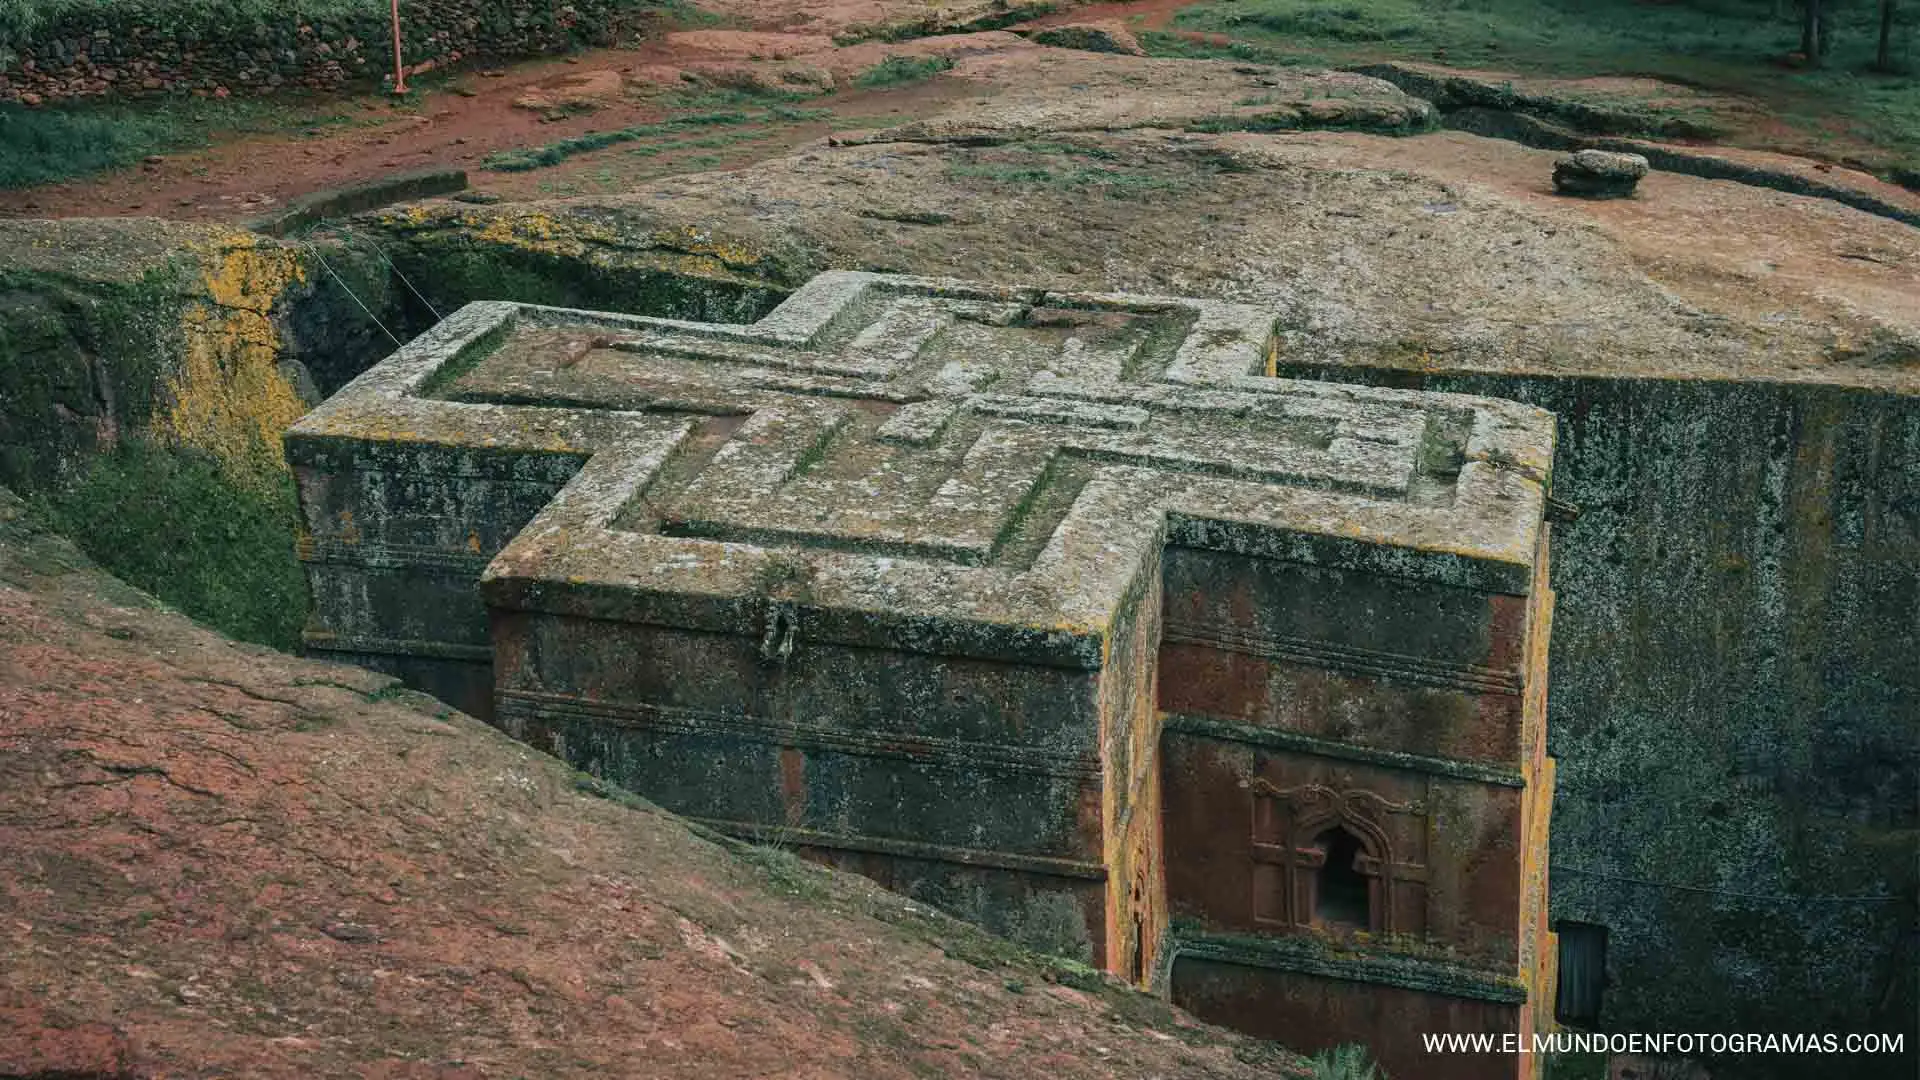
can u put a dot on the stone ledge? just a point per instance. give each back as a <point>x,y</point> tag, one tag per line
<point>1309,956</point>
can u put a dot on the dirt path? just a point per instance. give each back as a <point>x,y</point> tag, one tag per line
<point>458,123</point>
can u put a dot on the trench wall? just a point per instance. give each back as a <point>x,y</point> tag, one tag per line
<point>148,370</point>
<point>1735,697</point>
<point>1735,676</point>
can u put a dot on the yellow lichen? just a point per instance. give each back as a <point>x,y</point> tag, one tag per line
<point>229,395</point>
<point>697,241</point>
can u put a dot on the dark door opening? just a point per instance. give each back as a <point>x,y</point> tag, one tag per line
<point>1583,973</point>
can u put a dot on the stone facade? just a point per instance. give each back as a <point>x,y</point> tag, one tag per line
<point>1055,610</point>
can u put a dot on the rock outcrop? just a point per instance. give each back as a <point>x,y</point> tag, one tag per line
<point>216,859</point>
<point>1107,36</point>
<point>1598,174</point>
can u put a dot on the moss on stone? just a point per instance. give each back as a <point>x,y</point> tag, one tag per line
<point>170,521</point>
<point>82,363</point>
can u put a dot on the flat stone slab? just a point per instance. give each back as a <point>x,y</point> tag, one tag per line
<point>1039,91</point>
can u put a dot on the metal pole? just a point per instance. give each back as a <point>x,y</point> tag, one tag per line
<point>399,73</point>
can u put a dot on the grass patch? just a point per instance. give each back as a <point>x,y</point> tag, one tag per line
<point>1169,43</point>
<point>686,15</point>
<point>1576,1067</point>
<point>169,522</point>
<point>541,157</point>
<point>788,874</point>
<point>49,145</point>
<point>901,70</point>
<point>730,97</point>
<point>793,115</point>
<point>1348,1062</point>
<point>1726,46</point>
<point>704,142</point>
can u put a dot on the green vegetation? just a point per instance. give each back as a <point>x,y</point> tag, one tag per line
<point>1726,46</point>
<point>786,873</point>
<point>554,153</point>
<point>704,142</point>
<point>775,115</point>
<point>169,522</point>
<point>1576,1067</point>
<point>900,70</point>
<point>1349,1062</point>
<point>731,97</point>
<point>20,18</point>
<point>48,145</point>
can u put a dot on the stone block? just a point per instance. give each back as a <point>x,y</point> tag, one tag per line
<point>1053,609</point>
<point>1598,174</point>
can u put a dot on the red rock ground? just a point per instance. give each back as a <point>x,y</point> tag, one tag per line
<point>216,860</point>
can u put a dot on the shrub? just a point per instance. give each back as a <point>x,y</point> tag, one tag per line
<point>1349,1062</point>
<point>899,70</point>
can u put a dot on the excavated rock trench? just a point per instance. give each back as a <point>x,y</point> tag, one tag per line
<point>1739,411</point>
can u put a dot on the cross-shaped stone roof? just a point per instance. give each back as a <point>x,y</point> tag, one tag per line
<point>937,465</point>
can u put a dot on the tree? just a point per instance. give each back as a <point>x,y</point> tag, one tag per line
<point>1883,58</point>
<point>1812,34</point>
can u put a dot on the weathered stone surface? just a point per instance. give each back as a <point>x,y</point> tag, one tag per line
<point>908,572</point>
<point>265,866</point>
<point>1037,91</point>
<point>150,368</point>
<point>582,92</point>
<point>786,78</point>
<point>312,209</point>
<point>1598,174</point>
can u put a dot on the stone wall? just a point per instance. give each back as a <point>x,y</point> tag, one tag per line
<point>1735,705</point>
<point>150,367</point>
<point>216,49</point>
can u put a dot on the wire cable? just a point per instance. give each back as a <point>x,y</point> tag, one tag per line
<point>349,289</point>
<point>1868,898</point>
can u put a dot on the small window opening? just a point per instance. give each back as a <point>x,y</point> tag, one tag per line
<point>1341,897</point>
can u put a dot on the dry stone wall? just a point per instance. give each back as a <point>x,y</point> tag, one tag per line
<point>214,50</point>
